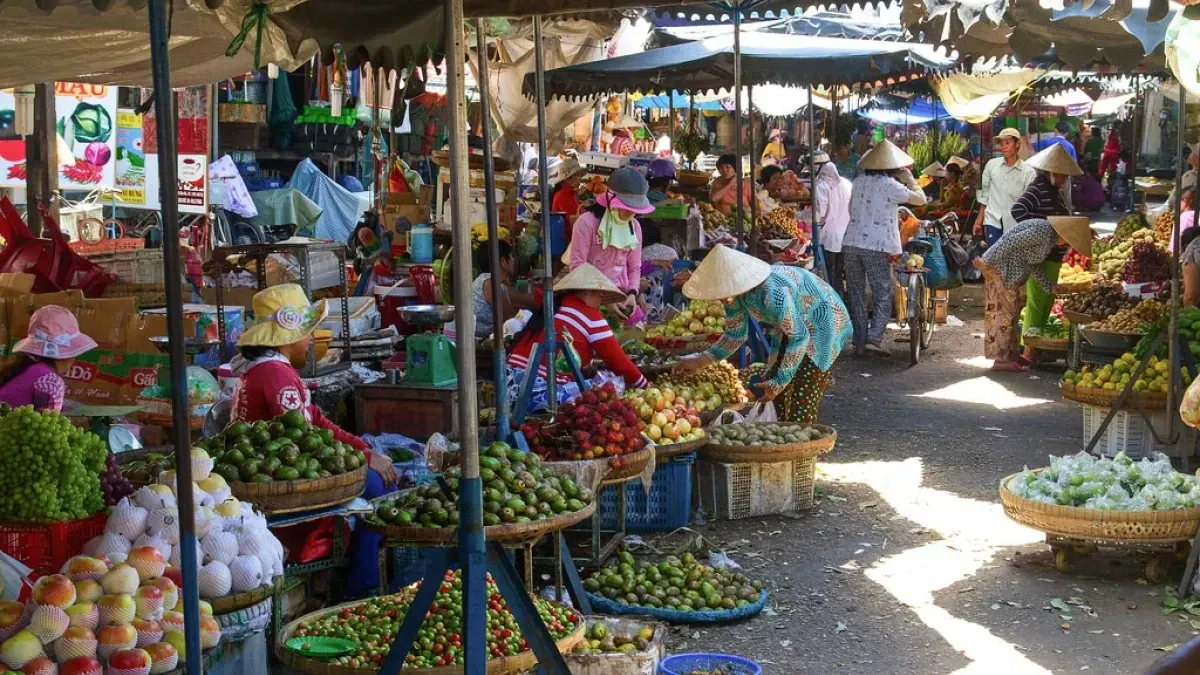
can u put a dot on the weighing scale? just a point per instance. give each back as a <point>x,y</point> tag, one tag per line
<point>429,354</point>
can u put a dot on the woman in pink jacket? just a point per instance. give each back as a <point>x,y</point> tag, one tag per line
<point>608,236</point>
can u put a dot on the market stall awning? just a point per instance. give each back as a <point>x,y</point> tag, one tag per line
<point>1122,33</point>
<point>675,30</point>
<point>681,102</point>
<point>904,112</point>
<point>707,65</point>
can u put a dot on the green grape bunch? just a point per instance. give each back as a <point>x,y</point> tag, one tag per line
<point>49,468</point>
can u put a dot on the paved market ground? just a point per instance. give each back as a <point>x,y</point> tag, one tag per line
<point>908,564</point>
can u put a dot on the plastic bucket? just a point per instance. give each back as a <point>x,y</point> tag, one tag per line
<point>421,244</point>
<point>390,299</point>
<point>684,664</point>
<point>558,233</point>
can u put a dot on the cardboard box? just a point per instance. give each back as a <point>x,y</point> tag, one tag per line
<point>405,205</point>
<point>205,319</point>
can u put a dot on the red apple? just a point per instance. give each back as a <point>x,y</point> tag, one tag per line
<point>40,666</point>
<point>56,590</point>
<point>129,662</point>
<point>174,574</point>
<point>81,665</point>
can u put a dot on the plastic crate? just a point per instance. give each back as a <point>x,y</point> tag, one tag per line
<point>1130,433</point>
<point>733,491</point>
<point>44,547</point>
<point>666,507</point>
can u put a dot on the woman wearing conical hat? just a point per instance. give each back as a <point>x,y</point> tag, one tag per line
<point>804,319</point>
<point>1044,198</point>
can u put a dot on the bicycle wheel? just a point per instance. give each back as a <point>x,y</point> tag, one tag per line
<point>930,323</point>
<point>916,318</point>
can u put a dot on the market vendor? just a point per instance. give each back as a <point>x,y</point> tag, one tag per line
<point>482,288</point>
<point>608,236</point>
<point>269,353</point>
<point>804,319</point>
<point>1044,198</point>
<point>45,355</point>
<point>566,180</point>
<point>775,151</point>
<point>724,191</point>
<point>659,175</point>
<point>579,323</point>
<point>1017,256</point>
<point>831,210</point>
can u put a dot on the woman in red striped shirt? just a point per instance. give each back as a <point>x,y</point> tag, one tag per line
<point>579,323</point>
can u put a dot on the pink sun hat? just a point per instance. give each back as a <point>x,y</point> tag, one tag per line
<point>54,334</point>
<point>627,190</point>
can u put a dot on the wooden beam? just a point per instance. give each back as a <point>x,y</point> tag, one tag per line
<point>41,158</point>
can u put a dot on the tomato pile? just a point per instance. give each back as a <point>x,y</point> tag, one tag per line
<point>373,624</point>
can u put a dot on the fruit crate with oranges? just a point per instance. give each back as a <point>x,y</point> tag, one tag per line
<point>45,547</point>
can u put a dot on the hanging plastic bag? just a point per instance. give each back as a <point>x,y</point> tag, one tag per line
<point>762,412</point>
<point>1189,408</point>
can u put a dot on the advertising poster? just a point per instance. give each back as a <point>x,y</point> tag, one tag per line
<point>86,123</point>
<point>131,159</point>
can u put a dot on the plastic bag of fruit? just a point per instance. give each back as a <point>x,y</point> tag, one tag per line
<point>1189,408</point>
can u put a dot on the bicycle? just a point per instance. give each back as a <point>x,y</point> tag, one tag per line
<point>919,313</point>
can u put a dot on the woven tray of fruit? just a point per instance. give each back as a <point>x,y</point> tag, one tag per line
<point>522,500</point>
<point>508,652</point>
<point>768,442</point>
<point>617,646</point>
<point>677,590</point>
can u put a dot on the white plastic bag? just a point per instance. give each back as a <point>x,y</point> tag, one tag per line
<point>1189,407</point>
<point>761,412</point>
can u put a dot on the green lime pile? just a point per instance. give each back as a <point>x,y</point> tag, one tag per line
<point>49,468</point>
<point>516,489</point>
<point>602,638</point>
<point>681,583</point>
<point>286,448</point>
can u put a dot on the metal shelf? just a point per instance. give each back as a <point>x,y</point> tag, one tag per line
<point>301,252</point>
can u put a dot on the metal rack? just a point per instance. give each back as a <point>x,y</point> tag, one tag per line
<point>301,252</point>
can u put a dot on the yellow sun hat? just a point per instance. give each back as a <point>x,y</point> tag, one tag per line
<point>283,315</point>
<point>725,273</point>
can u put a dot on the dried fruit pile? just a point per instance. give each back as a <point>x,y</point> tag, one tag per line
<point>1100,302</point>
<point>373,624</point>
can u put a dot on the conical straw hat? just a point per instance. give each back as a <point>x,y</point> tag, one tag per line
<point>885,156</point>
<point>935,170</point>
<point>959,161</point>
<point>587,278</point>
<point>1076,230</point>
<point>725,273</point>
<point>1055,159</point>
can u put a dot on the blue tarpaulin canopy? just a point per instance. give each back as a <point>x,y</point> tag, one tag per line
<point>682,102</point>
<point>910,113</point>
<point>707,65</point>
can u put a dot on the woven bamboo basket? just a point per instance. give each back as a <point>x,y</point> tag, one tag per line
<point>1077,287</point>
<point>497,666</point>
<point>1078,319</point>
<point>1046,344</point>
<point>674,449</point>
<point>507,533</point>
<point>737,454</point>
<point>1104,398</point>
<point>631,466</point>
<point>689,178</point>
<point>232,603</point>
<point>292,496</point>
<point>1119,527</point>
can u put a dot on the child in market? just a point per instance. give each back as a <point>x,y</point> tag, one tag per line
<point>269,353</point>
<point>45,355</point>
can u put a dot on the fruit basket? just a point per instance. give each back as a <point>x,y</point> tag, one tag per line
<point>631,466</point>
<point>239,601</point>
<point>1105,398</point>
<point>1117,527</point>
<point>734,453</point>
<point>668,450</point>
<point>293,496</point>
<point>1046,344</point>
<point>597,656</point>
<point>497,665</point>
<point>606,606</point>
<point>507,533</point>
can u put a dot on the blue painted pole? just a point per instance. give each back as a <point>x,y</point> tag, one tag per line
<point>539,62</point>
<point>164,103</point>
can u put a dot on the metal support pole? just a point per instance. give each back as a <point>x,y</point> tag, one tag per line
<point>493,221</point>
<point>671,122</point>
<point>737,118</point>
<point>1173,382</point>
<point>164,103</point>
<point>471,550</point>
<point>753,164</point>
<point>539,59</point>
<point>818,258</point>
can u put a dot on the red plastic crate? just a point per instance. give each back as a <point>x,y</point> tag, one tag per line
<point>44,547</point>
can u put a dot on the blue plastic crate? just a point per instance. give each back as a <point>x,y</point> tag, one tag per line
<point>667,506</point>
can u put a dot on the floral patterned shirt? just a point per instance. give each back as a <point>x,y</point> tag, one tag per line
<point>801,315</point>
<point>874,219</point>
<point>1020,252</point>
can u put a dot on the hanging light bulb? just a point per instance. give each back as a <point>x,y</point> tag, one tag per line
<point>23,122</point>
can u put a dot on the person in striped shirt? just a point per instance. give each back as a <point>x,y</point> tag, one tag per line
<point>578,322</point>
